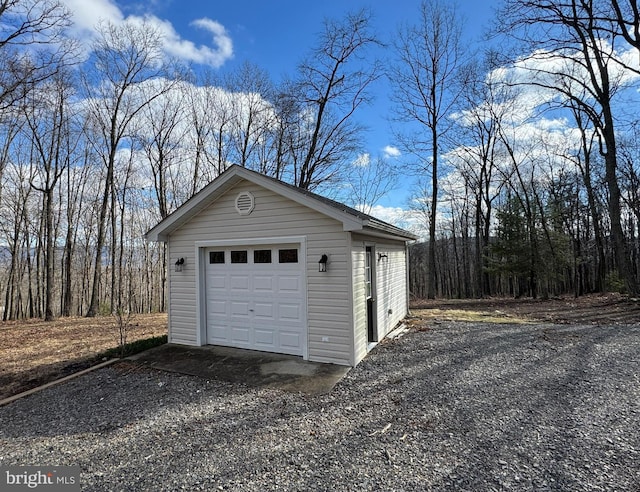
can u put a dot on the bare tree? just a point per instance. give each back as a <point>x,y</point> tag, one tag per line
<point>369,181</point>
<point>429,54</point>
<point>163,127</point>
<point>576,60</point>
<point>211,119</point>
<point>11,123</point>
<point>630,184</point>
<point>74,198</point>
<point>289,131</point>
<point>18,210</point>
<point>48,122</point>
<point>161,133</point>
<point>253,116</point>
<point>330,86</point>
<point>486,104</point>
<point>626,15</point>
<point>126,57</point>
<point>32,45</point>
<point>583,159</point>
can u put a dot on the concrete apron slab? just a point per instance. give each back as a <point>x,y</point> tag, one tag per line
<point>249,367</point>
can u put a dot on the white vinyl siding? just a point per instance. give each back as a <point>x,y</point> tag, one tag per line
<point>328,317</point>
<point>329,320</point>
<point>390,288</point>
<point>182,296</point>
<point>359,301</point>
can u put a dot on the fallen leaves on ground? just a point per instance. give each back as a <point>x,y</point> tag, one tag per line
<point>33,352</point>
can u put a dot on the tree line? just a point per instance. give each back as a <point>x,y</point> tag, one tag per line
<point>541,146</point>
<point>525,161</point>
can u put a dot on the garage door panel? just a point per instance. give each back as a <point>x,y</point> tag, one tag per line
<point>290,340</point>
<point>217,308</point>
<point>239,283</point>
<point>239,313</point>
<point>217,333</point>
<point>289,312</point>
<point>263,310</point>
<point>257,306</point>
<point>288,285</point>
<point>265,338</point>
<point>240,335</point>
<point>217,282</point>
<point>263,284</point>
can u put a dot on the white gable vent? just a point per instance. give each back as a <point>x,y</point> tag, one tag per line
<point>244,203</point>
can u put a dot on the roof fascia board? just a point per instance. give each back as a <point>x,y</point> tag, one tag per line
<point>390,230</point>
<point>386,235</point>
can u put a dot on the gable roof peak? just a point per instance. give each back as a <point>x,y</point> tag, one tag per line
<point>351,218</point>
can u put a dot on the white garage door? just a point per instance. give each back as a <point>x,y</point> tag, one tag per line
<point>256,298</point>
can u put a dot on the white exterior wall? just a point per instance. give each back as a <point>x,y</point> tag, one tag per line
<point>359,301</point>
<point>390,288</point>
<point>182,293</point>
<point>329,315</point>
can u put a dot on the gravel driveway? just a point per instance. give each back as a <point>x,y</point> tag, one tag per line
<point>460,406</point>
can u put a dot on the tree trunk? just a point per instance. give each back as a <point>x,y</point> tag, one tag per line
<point>97,272</point>
<point>621,251</point>
<point>48,213</point>
<point>431,264</point>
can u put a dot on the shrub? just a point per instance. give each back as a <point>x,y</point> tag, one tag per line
<point>132,348</point>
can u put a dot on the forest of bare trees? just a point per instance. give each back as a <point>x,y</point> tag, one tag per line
<point>525,161</point>
<point>543,178</point>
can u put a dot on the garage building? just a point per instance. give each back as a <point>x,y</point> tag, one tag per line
<point>258,264</point>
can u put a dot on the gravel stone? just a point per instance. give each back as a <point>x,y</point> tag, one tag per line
<point>459,406</point>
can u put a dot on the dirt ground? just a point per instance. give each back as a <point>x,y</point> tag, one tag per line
<point>33,352</point>
<point>593,309</point>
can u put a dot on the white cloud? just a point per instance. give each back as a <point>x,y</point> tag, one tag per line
<point>224,45</point>
<point>87,15</point>
<point>363,160</point>
<point>542,70</point>
<point>392,215</point>
<point>410,220</point>
<point>391,151</point>
<point>187,50</point>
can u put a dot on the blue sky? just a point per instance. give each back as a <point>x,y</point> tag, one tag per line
<point>278,33</point>
<point>274,35</point>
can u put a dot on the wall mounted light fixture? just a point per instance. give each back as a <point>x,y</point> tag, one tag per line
<point>179,264</point>
<point>322,264</point>
<point>381,256</point>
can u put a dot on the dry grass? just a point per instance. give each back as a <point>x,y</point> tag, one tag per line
<point>33,352</point>
<point>495,316</point>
